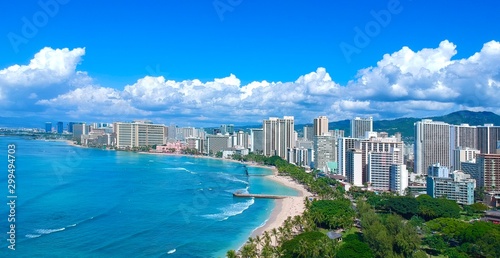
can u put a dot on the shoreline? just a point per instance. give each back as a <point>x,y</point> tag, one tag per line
<point>283,208</point>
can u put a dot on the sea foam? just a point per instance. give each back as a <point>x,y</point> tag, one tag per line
<point>230,211</point>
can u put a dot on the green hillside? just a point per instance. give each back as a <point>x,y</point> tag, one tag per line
<point>406,128</point>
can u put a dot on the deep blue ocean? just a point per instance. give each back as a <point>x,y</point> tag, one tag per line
<point>80,202</point>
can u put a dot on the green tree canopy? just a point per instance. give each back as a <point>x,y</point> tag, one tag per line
<point>352,246</point>
<point>307,244</point>
<point>403,205</point>
<point>332,214</point>
<point>431,208</point>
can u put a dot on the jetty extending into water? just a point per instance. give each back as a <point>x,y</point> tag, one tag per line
<point>263,196</point>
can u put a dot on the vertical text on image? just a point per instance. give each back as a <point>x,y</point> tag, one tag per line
<point>11,197</point>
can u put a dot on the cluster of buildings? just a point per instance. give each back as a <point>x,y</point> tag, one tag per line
<point>470,153</point>
<point>444,161</point>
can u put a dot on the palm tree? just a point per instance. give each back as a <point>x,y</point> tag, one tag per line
<point>251,240</point>
<point>328,247</point>
<point>282,234</point>
<point>303,249</point>
<point>267,238</point>
<point>297,222</point>
<point>249,251</point>
<point>287,227</point>
<point>258,241</point>
<point>267,252</point>
<point>231,254</point>
<point>274,232</point>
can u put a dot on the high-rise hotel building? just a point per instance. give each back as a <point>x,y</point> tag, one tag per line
<point>344,145</point>
<point>359,126</point>
<point>488,169</point>
<point>278,136</point>
<point>378,169</point>
<point>388,147</point>
<point>324,151</point>
<point>140,133</point>
<point>320,125</point>
<point>488,139</point>
<point>432,145</point>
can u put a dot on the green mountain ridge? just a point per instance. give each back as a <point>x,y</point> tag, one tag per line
<point>405,126</point>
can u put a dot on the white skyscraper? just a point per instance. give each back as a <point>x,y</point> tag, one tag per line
<point>320,125</point>
<point>256,140</point>
<point>432,145</point>
<point>343,145</point>
<point>379,167</point>
<point>324,151</point>
<point>382,145</point>
<point>354,171</point>
<point>359,126</point>
<point>279,136</point>
<point>399,178</point>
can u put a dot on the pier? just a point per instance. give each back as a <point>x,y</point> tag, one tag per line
<point>263,196</point>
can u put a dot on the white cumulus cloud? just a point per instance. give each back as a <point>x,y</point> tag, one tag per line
<point>404,83</point>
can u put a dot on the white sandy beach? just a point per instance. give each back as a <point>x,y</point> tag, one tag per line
<point>284,208</point>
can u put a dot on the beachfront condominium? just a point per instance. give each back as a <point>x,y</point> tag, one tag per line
<point>432,144</point>
<point>240,140</point>
<point>279,136</point>
<point>361,125</point>
<point>300,156</point>
<point>138,133</point>
<point>218,143</point>
<point>195,143</point>
<point>324,151</point>
<point>256,140</point>
<point>320,125</point>
<point>80,129</point>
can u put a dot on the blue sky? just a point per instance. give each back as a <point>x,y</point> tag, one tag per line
<point>236,49</point>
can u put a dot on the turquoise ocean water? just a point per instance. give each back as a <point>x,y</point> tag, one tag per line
<point>79,202</point>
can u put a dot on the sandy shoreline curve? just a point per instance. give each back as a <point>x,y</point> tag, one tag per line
<point>288,207</point>
<point>284,208</point>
